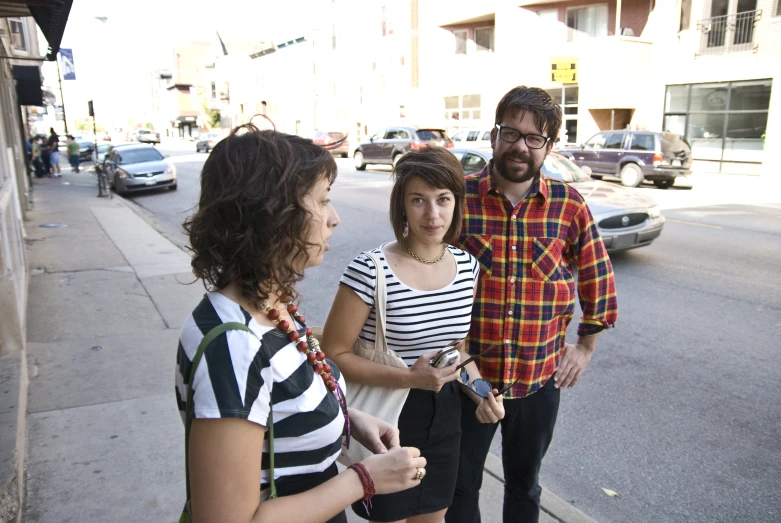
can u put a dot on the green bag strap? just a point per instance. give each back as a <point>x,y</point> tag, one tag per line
<point>210,337</point>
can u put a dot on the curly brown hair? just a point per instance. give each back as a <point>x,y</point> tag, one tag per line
<point>251,223</point>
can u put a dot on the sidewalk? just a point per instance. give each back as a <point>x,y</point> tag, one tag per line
<point>103,435</point>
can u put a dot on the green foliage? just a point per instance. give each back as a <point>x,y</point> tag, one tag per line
<point>214,118</point>
<point>148,125</point>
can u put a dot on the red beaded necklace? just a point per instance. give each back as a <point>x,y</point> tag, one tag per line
<point>309,346</point>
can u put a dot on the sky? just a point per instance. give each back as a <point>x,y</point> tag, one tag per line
<point>113,58</point>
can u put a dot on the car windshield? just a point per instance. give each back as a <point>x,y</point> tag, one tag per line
<point>139,155</point>
<point>563,169</point>
<point>431,134</point>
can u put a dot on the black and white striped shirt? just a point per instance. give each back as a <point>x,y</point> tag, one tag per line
<point>417,321</point>
<point>240,374</point>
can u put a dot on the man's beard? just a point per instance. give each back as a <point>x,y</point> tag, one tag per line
<point>501,165</point>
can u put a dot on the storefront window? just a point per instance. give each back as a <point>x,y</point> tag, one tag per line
<point>567,94</point>
<point>677,98</point>
<point>724,121</point>
<point>750,96</point>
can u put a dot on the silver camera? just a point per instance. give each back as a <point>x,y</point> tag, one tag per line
<point>445,357</point>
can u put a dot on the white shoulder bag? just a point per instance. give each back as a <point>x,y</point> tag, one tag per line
<point>384,403</point>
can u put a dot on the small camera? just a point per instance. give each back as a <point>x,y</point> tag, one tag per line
<point>445,357</point>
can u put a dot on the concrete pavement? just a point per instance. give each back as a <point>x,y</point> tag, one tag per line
<point>102,438</point>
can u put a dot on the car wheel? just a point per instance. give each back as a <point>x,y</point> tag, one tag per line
<point>631,175</point>
<point>396,159</point>
<point>358,161</point>
<point>664,184</point>
<point>172,187</point>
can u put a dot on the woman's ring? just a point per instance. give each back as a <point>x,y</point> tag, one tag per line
<point>420,474</point>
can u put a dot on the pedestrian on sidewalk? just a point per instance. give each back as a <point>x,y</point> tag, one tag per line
<point>73,154</point>
<point>263,217</point>
<point>532,235</point>
<point>430,307</point>
<point>54,153</point>
<point>46,156</point>
<point>38,167</point>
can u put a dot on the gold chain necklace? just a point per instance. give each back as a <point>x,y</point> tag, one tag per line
<point>421,260</point>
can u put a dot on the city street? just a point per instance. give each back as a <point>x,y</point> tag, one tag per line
<point>678,412</point>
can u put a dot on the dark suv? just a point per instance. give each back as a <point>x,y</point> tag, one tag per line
<point>387,145</point>
<point>635,156</point>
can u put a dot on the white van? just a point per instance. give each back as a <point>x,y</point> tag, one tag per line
<point>477,138</point>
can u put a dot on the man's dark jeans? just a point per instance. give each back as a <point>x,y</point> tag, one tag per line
<point>527,430</point>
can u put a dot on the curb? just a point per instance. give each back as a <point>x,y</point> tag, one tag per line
<point>550,503</point>
<point>149,219</point>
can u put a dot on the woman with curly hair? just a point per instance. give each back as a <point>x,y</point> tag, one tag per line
<point>263,217</point>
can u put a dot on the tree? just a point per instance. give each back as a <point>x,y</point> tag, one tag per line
<point>214,118</point>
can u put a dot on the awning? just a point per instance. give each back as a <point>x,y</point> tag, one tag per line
<point>50,15</point>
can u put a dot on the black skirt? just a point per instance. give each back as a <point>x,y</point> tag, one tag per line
<point>430,422</point>
<point>289,485</point>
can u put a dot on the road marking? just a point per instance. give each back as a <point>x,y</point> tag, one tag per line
<point>695,224</point>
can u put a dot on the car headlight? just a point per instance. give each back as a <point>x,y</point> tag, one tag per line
<point>123,173</point>
<point>170,169</point>
<point>654,212</point>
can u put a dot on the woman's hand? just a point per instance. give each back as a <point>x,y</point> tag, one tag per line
<point>395,470</point>
<point>490,409</point>
<point>375,434</point>
<point>426,377</point>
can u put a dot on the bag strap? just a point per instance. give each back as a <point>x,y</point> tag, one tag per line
<point>205,342</point>
<point>380,302</point>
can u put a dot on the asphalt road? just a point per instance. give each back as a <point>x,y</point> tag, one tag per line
<point>680,409</point>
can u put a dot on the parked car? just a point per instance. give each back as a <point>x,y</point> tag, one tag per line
<point>207,141</point>
<point>625,219</point>
<point>472,138</point>
<point>387,145</point>
<point>138,167</point>
<point>634,156</point>
<point>103,150</point>
<point>86,148</point>
<point>325,138</point>
<point>146,136</point>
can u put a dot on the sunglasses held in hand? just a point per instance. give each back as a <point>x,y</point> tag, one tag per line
<point>480,386</point>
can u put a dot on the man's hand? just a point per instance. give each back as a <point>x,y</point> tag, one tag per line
<point>574,361</point>
<point>375,434</point>
<point>490,409</point>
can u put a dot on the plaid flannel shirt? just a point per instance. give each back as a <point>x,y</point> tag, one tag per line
<point>526,293</point>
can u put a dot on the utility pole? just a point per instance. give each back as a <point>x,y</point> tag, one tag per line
<point>62,98</point>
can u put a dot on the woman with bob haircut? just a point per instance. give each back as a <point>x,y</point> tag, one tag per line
<point>430,291</point>
<point>263,217</point>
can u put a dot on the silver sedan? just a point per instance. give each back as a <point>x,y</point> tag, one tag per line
<point>625,218</point>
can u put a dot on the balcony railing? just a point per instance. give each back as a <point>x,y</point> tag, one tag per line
<point>728,34</point>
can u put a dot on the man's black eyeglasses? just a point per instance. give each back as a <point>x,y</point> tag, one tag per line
<point>510,135</point>
<point>480,386</point>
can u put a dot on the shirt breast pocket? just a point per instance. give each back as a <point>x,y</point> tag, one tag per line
<point>480,248</point>
<point>546,259</point>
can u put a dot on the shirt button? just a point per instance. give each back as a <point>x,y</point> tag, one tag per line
<point>513,247</point>
<point>512,280</point>
<point>507,342</point>
<point>510,313</point>
<point>513,216</point>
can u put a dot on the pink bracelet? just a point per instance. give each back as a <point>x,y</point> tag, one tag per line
<point>366,481</point>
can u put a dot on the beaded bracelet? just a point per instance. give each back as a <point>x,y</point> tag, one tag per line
<point>366,481</point>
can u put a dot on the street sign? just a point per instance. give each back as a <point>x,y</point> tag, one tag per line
<point>564,69</point>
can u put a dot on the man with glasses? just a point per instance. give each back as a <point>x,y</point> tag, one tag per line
<point>532,235</point>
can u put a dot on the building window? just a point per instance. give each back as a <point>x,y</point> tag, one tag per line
<point>214,90</point>
<point>723,122</point>
<point>18,34</point>
<point>588,21</point>
<point>686,14</point>
<point>484,38</point>
<point>462,110</point>
<point>461,37</point>
<point>567,97</point>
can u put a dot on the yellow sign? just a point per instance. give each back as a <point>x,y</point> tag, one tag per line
<point>564,69</point>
